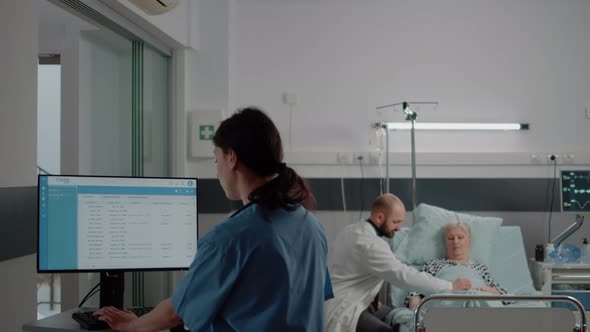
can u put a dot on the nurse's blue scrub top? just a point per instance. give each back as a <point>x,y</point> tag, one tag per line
<point>258,272</point>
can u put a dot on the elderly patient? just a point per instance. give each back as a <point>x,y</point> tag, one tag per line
<point>457,238</point>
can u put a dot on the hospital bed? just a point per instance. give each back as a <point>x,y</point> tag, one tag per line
<point>530,311</point>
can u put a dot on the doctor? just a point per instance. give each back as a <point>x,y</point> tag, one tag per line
<point>363,261</point>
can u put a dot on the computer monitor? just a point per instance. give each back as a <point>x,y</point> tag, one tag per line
<point>115,224</point>
<point>575,191</point>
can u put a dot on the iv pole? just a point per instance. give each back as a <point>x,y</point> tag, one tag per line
<point>410,116</point>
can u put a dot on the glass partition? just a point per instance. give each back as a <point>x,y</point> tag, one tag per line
<point>105,104</point>
<point>105,117</point>
<point>156,105</point>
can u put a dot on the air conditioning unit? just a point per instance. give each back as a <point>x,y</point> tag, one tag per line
<point>155,7</point>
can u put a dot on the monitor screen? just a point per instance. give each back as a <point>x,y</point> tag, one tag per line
<point>575,191</point>
<point>95,223</point>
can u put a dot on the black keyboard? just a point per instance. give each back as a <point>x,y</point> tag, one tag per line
<point>88,321</point>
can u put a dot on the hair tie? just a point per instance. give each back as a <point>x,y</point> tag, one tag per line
<point>282,167</point>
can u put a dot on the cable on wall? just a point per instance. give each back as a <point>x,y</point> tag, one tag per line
<point>342,193</point>
<point>554,159</point>
<point>290,127</point>
<point>360,159</point>
<point>380,143</point>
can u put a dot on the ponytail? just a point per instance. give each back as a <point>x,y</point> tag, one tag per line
<point>286,190</point>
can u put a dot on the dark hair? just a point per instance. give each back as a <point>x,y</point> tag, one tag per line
<point>257,143</point>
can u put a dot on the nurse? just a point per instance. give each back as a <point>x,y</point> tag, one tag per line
<point>363,261</point>
<point>265,267</point>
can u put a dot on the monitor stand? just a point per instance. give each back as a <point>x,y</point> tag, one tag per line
<point>112,289</point>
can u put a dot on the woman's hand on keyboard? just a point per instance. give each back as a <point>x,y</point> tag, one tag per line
<point>119,320</point>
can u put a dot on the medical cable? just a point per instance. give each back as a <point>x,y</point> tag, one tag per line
<point>290,127</point>
<point>554,159</point>
<point>382,175</point>
<point>361,187</point>
<point>342,193</point>
<point>380,137</point>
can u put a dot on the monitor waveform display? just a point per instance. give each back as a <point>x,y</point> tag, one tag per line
<point>575,191</point>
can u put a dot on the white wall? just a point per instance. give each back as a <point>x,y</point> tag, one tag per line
<point>210,63</point>
<point>18,144</point>
<point>482,60</point>
<point>497,61</point>
<point>18,89</point>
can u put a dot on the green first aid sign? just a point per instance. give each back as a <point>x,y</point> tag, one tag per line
<point>206,132</point>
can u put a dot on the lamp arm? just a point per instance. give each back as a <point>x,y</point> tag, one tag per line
<point>568,231</point>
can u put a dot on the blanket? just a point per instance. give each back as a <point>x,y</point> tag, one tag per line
<point>405,316</point>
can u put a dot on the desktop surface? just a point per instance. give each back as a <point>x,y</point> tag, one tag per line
<point>63,322</point>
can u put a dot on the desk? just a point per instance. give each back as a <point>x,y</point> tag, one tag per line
<point>61,322</point>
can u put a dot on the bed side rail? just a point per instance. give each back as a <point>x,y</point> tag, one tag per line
<point>539,311</point>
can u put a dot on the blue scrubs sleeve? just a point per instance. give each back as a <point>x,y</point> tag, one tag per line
<point>202,292</point>
<point>328,291</point>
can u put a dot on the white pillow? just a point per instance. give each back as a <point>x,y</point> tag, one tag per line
<point>424,241</point>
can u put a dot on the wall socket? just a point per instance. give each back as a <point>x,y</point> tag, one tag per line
<point>568,158</point>
<point>542,158</point>
<point>358,158</point>
<point>290,98</point>
<point>366,158</point>
<point>344,158</point>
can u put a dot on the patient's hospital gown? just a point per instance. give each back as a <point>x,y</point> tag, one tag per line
<point>477,273</point>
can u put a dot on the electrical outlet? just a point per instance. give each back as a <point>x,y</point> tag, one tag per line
<point>568,158</point>
<point>360,157</point>
<point>552,157</point>
<point>344,158</point>
<point>374,158</point>
<point>290,98</point>
<point>366,158</point>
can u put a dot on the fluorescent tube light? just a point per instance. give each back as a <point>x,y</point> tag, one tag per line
<point>456,126</point>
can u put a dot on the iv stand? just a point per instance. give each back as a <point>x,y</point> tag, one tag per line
<point>410,116</point>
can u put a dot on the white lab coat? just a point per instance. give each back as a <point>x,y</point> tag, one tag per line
<point>362,261</point>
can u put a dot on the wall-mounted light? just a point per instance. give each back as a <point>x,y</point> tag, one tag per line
<point>455,126</point>
<point>412,125</point>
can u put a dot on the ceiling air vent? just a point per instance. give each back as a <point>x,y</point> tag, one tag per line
<point>155,7</point>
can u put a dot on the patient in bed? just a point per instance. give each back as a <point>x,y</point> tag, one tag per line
<point>457,239</point>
